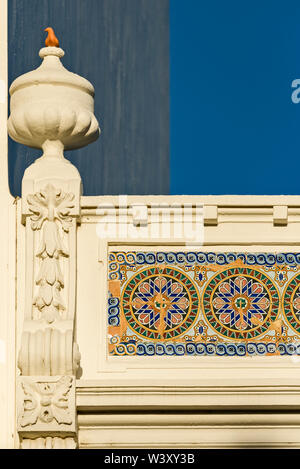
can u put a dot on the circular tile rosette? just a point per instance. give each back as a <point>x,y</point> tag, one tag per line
<point>160,303</point>
<point>240,303</point>
<point>291,303</point>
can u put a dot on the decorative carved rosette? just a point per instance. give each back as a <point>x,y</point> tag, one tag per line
<point>46,406</point>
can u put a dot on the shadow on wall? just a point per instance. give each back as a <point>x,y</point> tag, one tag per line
<point>123,49</point>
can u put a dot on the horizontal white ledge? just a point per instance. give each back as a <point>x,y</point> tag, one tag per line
<point>168,435</point>
<point>220,200</point>
<point>91,397</point>
<point>182,420</point>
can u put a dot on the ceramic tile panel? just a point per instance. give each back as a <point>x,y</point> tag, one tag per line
<point>203,303</point>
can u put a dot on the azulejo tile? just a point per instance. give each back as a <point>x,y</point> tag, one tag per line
<point>203,303</point>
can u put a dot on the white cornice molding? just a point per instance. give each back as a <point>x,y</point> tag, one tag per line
<point>219,200</point>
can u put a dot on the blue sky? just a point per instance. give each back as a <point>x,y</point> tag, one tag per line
<point>234,127</point>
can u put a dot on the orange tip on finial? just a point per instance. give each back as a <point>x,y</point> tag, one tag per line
<point>51,40</point>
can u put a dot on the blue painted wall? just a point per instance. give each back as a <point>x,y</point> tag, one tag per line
<point>234,128</point>
<point>122,47</point>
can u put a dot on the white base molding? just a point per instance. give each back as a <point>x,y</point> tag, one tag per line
<point>124,416</point>
<point>189,430</point>
<point>91,397</point>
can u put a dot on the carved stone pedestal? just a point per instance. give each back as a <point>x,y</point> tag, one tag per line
<point>51,109</point>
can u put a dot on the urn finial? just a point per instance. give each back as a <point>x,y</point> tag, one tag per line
<point>52,108</point>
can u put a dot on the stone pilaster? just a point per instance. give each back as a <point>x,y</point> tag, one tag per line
<point>51,109</point>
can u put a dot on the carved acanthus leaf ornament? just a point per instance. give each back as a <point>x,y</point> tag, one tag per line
<point>50,210</point>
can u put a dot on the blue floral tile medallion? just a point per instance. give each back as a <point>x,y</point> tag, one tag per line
<point>198,303</point>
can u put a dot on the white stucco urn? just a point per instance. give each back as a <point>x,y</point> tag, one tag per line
<point>52,108</point>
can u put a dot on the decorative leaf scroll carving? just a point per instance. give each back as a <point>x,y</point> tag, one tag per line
<point>50,204</point>
<point>46,402</point>
<point>50,209</point>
